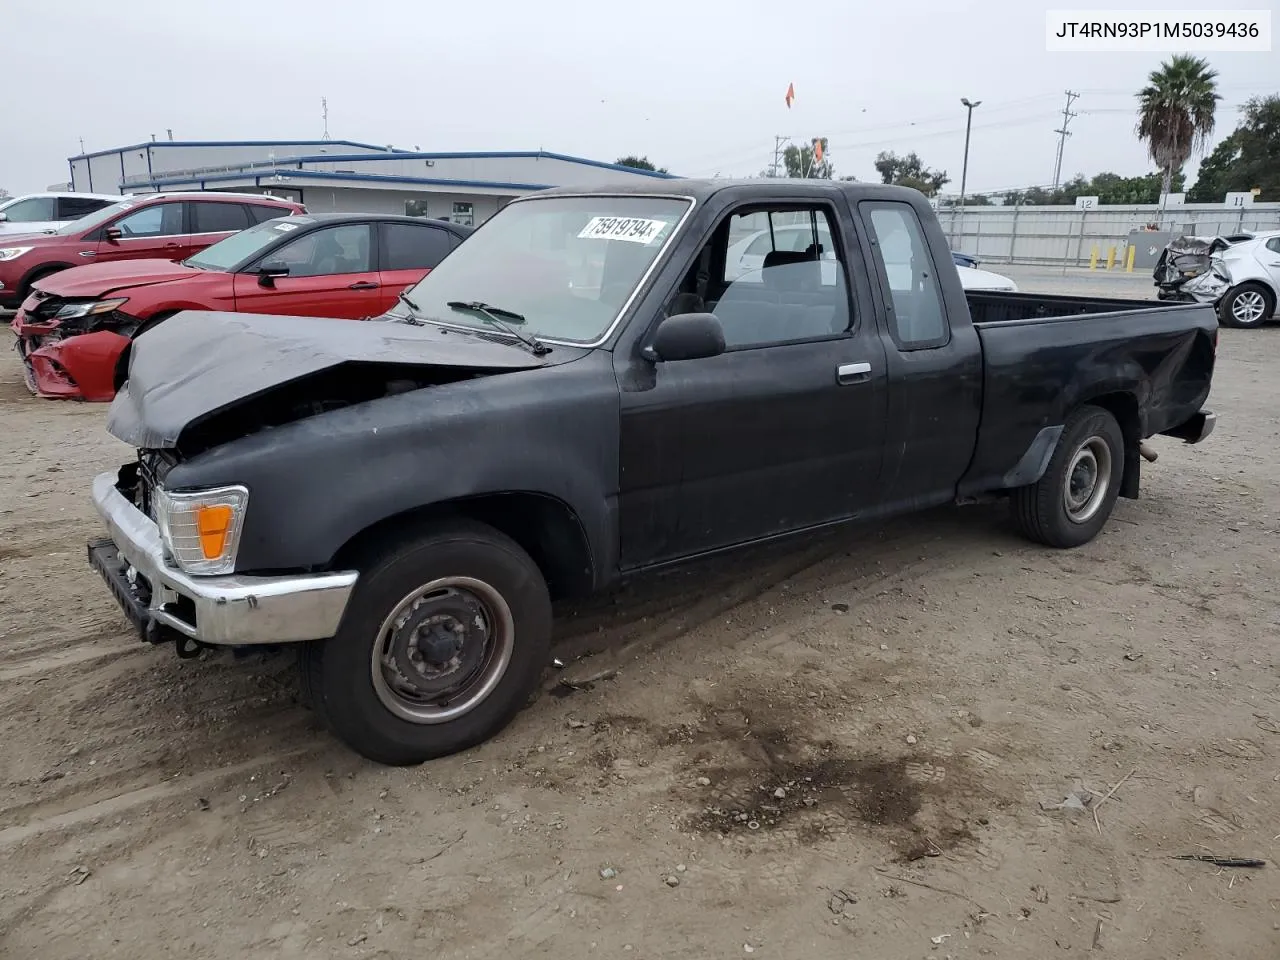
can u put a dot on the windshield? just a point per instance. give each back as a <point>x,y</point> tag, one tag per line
<point>95,218</point>
<point>566,264</point>
<point>239,247</point>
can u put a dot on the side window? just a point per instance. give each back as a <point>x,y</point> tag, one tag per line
<point>1274,244</point>
<point>211,216</point>
<point>31,210</point>
<point>410,247</point>
<point>258,212</point>
<point>156,220</point>
<point>343,249</point>
<point>73,208</point>
<point>796,289</point>
<point>918,318</point>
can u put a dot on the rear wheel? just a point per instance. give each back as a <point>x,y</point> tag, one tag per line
<point>1069,505</point>
<point>1248,305</point>
<point>443,642</point>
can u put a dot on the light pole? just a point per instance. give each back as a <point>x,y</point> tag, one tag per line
<point>964,170</point>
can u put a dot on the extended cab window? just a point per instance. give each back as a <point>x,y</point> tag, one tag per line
<point>783,279</point>
<point>918,319</point>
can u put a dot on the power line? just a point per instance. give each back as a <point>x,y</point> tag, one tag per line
<point>1063,133</point>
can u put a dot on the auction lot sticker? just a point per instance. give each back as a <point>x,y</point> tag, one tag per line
<point>631,229</point>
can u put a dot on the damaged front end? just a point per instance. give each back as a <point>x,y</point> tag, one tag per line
<point>69,348</point>
<point>1189,269</point>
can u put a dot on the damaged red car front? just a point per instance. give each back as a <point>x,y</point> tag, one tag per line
<point>69,346</point>
<point>43,326</point>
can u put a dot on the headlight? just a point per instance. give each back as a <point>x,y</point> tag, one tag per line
<point>73,310</point>
<point>13,253</point>
<point>202,530</point>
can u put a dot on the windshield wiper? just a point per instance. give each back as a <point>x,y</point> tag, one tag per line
<point>414,310</point>
<point>494,315</point>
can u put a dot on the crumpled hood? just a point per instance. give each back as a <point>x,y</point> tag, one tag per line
<point>196,363</point>
<point>97,279</point>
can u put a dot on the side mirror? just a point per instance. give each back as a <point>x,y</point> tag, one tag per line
<point>113,233</point>
<point>687,336</point>
<point>3,217</point>
<point>268,270</point>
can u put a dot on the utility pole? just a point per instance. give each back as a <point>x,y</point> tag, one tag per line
<point>964,170</point>
<point>777,152</point>
<point>324,112</point>
<point>1063,133</point>
<point>82,144</point>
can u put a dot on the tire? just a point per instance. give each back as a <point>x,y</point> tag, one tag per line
<point>1043,510</point>
<point>1248,305</point>
<point>478,577</point>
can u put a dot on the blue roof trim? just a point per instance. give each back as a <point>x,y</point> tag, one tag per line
<point>382,152</point>
<point>292,173</point>
<point>235,143</point>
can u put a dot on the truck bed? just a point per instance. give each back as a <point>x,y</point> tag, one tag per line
<point>988,307</point>
<point>1150,363</point>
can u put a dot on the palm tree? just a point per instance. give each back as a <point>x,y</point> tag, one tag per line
<point>1175,112</point>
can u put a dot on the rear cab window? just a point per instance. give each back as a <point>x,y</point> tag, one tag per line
<point>918,319</point>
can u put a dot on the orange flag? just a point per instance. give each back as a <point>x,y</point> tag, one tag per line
<point>791,94</point>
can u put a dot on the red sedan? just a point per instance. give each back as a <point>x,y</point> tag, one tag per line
<point>74,326</point>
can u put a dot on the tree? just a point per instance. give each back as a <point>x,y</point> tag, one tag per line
<point>1248,158</point>
<point>639,163</point>
<point>910,171</point>
<point>799,162</point>
<point>1175,112</point>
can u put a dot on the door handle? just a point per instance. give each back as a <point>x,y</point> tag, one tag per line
<point>363,285</point>
<point>848,373</point>
<point>88,253</point>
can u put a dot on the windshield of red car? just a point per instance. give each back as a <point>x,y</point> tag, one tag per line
<point>566,265</point>
<point>242,246</point>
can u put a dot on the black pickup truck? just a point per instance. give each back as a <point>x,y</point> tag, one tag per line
<point>589,387</point>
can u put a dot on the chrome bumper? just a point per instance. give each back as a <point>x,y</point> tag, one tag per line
<point>231,610</point>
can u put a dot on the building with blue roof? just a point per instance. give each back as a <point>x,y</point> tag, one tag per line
<point>343,175</point>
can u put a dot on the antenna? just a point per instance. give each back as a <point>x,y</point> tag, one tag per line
<point>1063,133</point>
<point>169,131</point>
<point>777,152</point>
<point>324,114</point>
<point>82,144</point>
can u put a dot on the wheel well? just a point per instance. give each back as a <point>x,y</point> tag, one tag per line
<point>546,528</point>
<point>24,286</point>
<point>1124,407</point>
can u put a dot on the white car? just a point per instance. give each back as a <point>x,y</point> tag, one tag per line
<point>1243,279</point>
<point>745,258</point>
<point>45,212</point>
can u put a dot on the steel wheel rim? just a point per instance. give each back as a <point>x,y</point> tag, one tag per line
<point>1247,306</point>
<point>412,673</point>
<point>1088,480</point>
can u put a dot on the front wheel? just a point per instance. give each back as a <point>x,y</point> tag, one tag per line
<point>1069,505</point>
<point>1248,305</point>
<point>444,640</point>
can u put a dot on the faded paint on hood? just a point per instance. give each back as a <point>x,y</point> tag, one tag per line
<point>197,364</point>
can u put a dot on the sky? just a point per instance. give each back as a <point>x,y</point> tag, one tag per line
<point>696,87</point>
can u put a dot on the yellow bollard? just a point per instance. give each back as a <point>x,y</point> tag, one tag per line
<point>1093,258</point>
<point>1128,260</point>
<point>1111,257</point>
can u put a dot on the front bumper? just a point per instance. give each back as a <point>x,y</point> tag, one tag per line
<point>232,610</point>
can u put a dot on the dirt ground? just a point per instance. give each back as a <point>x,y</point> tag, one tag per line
<point>837,749</point>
